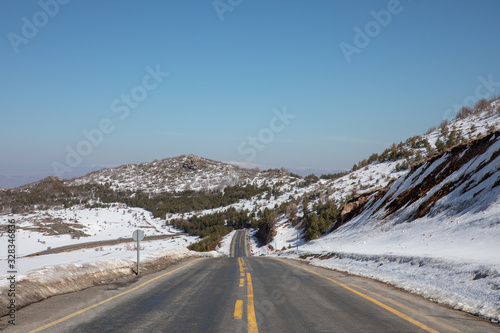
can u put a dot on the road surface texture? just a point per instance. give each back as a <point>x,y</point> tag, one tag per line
<point>243,294</point>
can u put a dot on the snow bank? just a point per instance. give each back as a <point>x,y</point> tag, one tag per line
<point>466,286</point>
<point>225,247</point>
<point>453,260</point>
<point>451,257</point>
<point>435,232</point>
<point>59,279</point>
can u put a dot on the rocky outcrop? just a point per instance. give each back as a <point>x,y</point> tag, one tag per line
<point>356,205</point>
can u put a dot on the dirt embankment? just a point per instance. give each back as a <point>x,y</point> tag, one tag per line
<point>454,159</point>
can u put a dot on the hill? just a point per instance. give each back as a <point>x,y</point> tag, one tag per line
<point>186,172</point>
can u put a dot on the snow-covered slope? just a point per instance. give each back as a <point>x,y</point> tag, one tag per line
<point>434,231</point>
<point>53,228</point>
<point>379,174</point>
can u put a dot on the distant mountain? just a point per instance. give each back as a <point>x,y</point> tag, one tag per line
<point>186,172</point>
<point>317,172</point>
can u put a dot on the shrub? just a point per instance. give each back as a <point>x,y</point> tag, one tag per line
<point>430,130</point>
<point>481,104</point>
<point>439,145</point>
<point>443,124</point>
<point>464,112</point>
<point>322,217</point>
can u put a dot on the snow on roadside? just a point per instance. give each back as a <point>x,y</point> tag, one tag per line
<point>225,246</point>
<point>150,250</point>
<point>70,277</point>
<point>451,259</point>
<point>449,255</point>
<point>118,221</point>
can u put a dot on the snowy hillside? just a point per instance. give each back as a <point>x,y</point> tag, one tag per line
<point>186,172</point>
<point>435,231</point>
<point>52,228</point>
<point>422,216</point>
<point>378,174</point>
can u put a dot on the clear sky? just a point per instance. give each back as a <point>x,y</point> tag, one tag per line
<point>293,83</point>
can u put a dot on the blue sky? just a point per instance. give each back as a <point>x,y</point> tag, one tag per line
<point>231,70</point>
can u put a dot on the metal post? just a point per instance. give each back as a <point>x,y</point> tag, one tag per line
<point>137,255</point>
<point>297,244</point>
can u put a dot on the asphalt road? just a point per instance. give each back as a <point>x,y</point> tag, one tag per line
<point>244,294</point>
<point>239,244</point>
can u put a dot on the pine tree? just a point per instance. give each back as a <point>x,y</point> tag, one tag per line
<point>439,145</point>
<point>452,138</point>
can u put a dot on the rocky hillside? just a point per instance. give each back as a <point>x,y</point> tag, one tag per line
<point>331,202</point>
<point>434,231</point>
<point>396,161</point>
<point>465,178</point>
<point>186,172</point>
<point>177,174</point>
<point>179,185</point>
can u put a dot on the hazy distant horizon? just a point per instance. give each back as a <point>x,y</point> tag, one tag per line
<point>10,181</point>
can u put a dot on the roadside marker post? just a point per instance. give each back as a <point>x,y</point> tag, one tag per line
<point>297,244</point>
<point>138,235</point>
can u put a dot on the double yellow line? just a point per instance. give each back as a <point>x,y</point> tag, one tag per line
<point>238,307</point>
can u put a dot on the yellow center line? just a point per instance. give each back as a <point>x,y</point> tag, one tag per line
<point>388,308</point>
<point>242,271</point>
<point>242,282</point>
<point>107,300</point>
<point>238,309</point>
<point>252,320</point>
